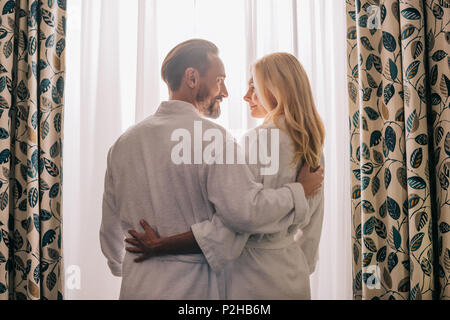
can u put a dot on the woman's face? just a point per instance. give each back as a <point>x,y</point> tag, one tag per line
<point>256,108</point>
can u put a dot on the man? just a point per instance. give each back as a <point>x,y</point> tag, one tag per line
<point>145,179</point>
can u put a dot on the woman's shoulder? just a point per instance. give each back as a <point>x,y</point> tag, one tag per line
<point>279,123</point>
<point>268,132</point>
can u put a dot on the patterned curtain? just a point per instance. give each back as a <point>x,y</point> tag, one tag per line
<point>398,85</point>
<point>32,42</point>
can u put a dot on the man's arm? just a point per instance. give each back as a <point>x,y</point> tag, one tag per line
<point>220,244</point>
<point>245,206</point>
<point>111,237</point>
<point>216,241</point>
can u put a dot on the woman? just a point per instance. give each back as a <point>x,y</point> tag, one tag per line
<point>277,265</point>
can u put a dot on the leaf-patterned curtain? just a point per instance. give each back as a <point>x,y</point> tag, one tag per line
<point>32,42</point>
<point>398,84</point>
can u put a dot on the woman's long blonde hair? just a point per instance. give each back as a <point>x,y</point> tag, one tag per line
<point>283,88</point>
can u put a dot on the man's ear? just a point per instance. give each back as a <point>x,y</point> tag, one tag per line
<point>191,77</point>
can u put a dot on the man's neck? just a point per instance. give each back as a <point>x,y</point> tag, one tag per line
<point>183,97</point>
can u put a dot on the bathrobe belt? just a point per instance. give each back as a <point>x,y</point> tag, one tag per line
<point>272,243</point>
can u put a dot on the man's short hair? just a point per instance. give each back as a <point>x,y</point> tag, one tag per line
<point>193,53</point>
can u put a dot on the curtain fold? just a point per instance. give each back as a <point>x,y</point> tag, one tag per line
<point>148,69</point>
<point>32,73</point>
<point>396,50</point>
<point>322,51</point>
<point>437,14</point>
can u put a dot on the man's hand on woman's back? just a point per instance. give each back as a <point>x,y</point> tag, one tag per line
<point>311,181</point>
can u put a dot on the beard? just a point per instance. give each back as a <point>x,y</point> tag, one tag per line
<point>210,107</point>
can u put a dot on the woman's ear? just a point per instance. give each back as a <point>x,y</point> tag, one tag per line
<point>191,77</point>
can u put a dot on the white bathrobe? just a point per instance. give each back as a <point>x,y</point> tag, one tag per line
<point>266,266</point>
<point>142,182</point>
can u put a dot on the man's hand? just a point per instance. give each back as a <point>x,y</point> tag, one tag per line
<point>311,181</point>
<point>146,244</point>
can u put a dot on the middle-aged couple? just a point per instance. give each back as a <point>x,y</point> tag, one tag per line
<point>215,229</point>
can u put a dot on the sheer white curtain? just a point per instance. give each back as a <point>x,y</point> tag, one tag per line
<point>115,50</point>
<point>321,40</point>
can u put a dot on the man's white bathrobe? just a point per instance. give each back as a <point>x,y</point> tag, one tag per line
<point>142,182</point>
<point>266,266</point>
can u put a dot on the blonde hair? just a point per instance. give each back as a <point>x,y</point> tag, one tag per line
<point>283,88</point>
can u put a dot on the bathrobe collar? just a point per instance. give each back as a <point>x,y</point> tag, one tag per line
<point>177,107</point>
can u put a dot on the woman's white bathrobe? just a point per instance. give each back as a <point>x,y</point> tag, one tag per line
<point>145,181</point>
<point>266,266</point>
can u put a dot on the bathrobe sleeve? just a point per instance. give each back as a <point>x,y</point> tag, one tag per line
<point>245,206</point>
<point>219,244</point>
<point>223,238</point>
<point>111,236</point>
<point>309,237</point>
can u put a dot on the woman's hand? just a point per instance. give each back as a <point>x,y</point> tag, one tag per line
<point>311,181</point>
<point>147,244</point>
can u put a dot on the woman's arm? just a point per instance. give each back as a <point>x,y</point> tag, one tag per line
<point>219,244</point>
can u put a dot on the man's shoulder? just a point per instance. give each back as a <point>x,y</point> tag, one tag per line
<point>133,132</point>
